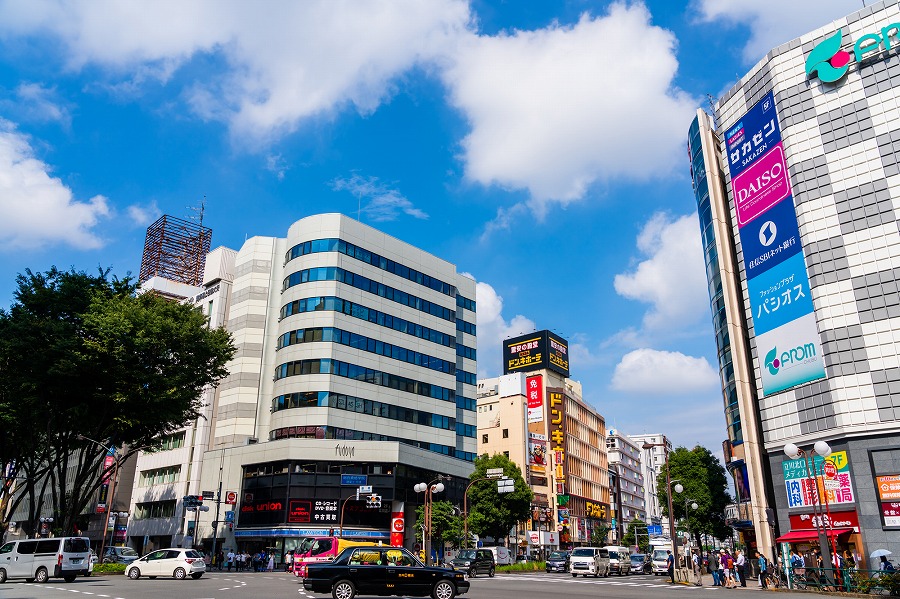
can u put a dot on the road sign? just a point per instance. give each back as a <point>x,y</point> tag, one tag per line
<point>506,485</point>
<point>654,530</point>
<point>494,472</point>
<point>354,480</point>
<point>229,516</point>
<point>365,488</point>
<point>209,494</point>
<point>231,497</point>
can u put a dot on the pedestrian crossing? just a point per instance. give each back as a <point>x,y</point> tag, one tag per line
<point>637,582</point>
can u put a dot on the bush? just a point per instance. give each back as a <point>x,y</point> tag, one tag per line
<point>108,569</point>
<point>523,567</point>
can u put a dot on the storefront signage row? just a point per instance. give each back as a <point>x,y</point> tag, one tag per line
<point>828,521</point>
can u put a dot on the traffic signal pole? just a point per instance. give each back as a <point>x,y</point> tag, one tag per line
<point>216,521</point>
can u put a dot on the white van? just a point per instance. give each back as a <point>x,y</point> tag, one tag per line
<point>502,556</point>
<point>39,559</point>
<point>619,560</point>
<point>592,561</point>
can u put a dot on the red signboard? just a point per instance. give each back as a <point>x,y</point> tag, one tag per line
<point>231,497</point>
<point>829,469</point>
<point>837,520</point>
<point>535,389</point>
<point>300,511</point>
<point>107,469</point>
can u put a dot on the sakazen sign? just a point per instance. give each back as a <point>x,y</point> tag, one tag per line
<point>831,63</point>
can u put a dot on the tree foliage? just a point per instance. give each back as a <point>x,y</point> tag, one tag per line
<point>492,514</point>
<point>600,533</point>
<point>636,535</point>
<point>446,524</point>
<point>705,483</point>
<point>85,355</point>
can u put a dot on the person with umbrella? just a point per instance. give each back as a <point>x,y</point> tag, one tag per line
<point>884,565</point>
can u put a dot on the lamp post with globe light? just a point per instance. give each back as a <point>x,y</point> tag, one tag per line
<point>669,482</point>
<point>822,449</point>
<point>679,488</point>
<point>435,486</point>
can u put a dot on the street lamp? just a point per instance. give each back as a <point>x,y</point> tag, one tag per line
<point>679,488</point>
<point>669,481</point>
<point>823,450</point>
<point>44,529</point>
<point>435,486</point>
<point>112,490</point>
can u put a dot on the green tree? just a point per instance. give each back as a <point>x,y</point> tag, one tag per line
<point>446,525</point>
<point>86,355</point>
<point>600,533</point>
<point>492,514</point>
<point>705,483</point>
<point>636,535</point>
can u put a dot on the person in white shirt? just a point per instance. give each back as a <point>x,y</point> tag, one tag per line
<point>698,577</point>
<point>739,568</point>
<point>230,558</point>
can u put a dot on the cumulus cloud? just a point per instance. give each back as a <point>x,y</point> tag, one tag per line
<point>276,164</point>
<point>671,277</point>
<point>773,22</point>
<point>382,202</point>
<point>37,103</point>
<point>663,373</point>
<point>285,62</point>
<point>493,328</point>
<point>556,109</point>
<point>37,209</point>
<point>143,215</point>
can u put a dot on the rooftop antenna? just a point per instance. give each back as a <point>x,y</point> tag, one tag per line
<point>198,211</point>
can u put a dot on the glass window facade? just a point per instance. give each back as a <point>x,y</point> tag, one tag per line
<point>339,401</point>
<point>332,432</point>
<point>714,279</point>
<point>361,373</point>
<point>373,259</point>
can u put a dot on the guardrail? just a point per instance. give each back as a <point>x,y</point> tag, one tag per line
<point>850,580</point>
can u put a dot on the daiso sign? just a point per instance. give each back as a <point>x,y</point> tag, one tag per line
<point>761,186</point>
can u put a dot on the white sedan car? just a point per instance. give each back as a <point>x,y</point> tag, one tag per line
<point>175,562</point>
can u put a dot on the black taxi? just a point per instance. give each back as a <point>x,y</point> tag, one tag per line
<point>377,570</point>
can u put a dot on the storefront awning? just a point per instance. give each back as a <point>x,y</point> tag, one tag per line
<point>796,536</point>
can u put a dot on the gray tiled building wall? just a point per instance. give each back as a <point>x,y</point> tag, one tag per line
<point>842,147</point>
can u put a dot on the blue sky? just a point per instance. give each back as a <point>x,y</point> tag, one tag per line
<point>539,145</point>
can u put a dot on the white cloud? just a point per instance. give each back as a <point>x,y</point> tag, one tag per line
<point>36,103</point>
<point>554,110</point>
<point>286,60</point>
<point>37,209</point>
<point>383,202</point>
<point>143,215</point>
<point>492,329</point>
<point>276,164</point>
<point>672,277</point>
<point>663,373</point>
<point>774,22</point>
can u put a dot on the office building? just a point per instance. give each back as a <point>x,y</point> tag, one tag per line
<point>627,503</point>
<point>354,368</point>
<point>536,415</point>
<point>796,178</point>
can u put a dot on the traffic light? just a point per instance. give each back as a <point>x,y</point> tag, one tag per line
<point>193,501</point>
<point>373,500</point>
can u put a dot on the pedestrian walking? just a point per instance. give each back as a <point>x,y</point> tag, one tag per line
<point>271,566</point>
<point>698,577</point>
<point>715,569</point>
<point>740,564</point>
<point>670,565</point>
<point>763,565</point>
<point>219,559</point>
<point>231,557</point>
<point>727,565</point>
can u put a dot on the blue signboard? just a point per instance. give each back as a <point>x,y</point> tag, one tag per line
<point>229,516</point>
<point>770,239</point>
<point>654,530</point>
<point>752,136</point>
<point>780,294</point>
<point>354,480</point>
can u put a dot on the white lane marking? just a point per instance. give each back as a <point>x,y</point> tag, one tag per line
<point>86,593</point>
<point>225,589</point>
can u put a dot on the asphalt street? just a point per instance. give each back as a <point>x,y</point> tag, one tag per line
<point>222,585</point>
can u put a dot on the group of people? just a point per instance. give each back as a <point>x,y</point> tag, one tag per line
<point>729,570</point>
<point>242,561</point>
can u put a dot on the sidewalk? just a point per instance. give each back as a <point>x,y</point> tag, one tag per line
<point>752,583</point>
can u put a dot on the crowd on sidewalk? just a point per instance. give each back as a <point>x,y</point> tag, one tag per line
<point>729,570</point>
<point>242,561</point>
